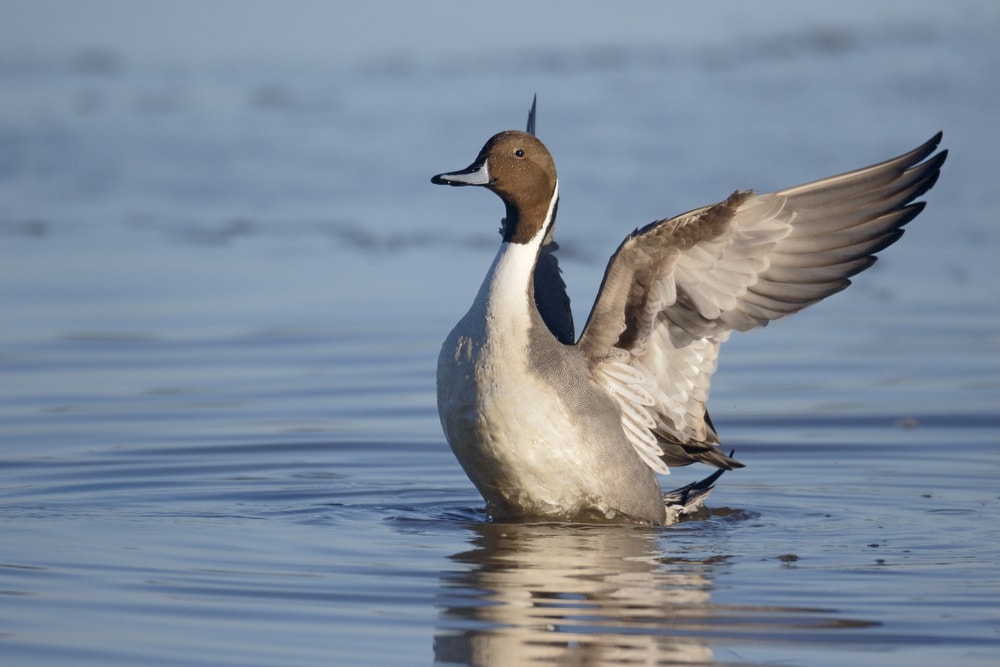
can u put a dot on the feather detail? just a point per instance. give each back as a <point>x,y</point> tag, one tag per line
<point>675,289</point>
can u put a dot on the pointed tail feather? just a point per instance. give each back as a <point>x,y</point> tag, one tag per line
<point>530,129</point>
<point>691,497</point>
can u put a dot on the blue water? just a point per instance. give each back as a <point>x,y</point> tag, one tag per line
<point>224,277</point>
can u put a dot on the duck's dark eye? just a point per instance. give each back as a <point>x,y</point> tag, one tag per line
<point>519,153</point>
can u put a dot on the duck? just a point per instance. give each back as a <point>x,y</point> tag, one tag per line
<point>549,426</point>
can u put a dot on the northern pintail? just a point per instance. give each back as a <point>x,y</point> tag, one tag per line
<point>551,427</point>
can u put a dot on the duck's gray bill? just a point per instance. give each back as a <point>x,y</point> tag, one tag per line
<point>474,174</point>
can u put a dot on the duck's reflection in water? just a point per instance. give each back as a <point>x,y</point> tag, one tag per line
<point>583,595</point>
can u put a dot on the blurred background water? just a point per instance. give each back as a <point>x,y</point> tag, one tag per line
<point>224,277</point>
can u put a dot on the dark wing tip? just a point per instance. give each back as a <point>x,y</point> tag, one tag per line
<point>684,454</point>
<point>927,147</point>
<point>715,457</point>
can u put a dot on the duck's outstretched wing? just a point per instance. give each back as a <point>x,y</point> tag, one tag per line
<point>675,289</point>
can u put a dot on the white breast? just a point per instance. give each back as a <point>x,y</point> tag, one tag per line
<point>511,430</point>
<point>507,427</point>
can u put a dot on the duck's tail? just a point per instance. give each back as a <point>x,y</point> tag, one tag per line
<point>690,498</point>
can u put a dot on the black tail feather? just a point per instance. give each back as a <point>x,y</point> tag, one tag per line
<point>690,497</point>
